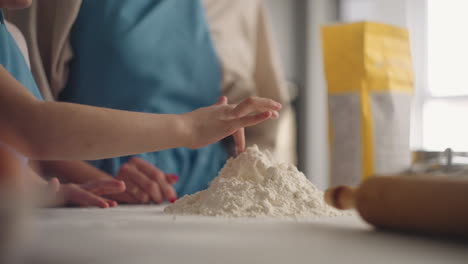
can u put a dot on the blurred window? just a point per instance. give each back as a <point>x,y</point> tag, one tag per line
<point>445,107</point>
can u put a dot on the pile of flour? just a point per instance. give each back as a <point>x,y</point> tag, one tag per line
<point>254,185</point>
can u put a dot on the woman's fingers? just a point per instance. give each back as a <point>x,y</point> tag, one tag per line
<point>136,192</point>
<point>132,176</point>
<point>147,184</point>
<point>123,198</point>
<point>172,178</point>
<point>254,104</point>
<point>157,179</point>
<point>239,141</point>
<point>104,187</point>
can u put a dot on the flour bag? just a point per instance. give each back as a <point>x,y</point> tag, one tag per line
<point>369,76</point>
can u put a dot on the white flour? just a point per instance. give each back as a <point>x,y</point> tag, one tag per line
<point>255,185</point>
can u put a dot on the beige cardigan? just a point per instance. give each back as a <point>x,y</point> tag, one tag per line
<point>242,40</point>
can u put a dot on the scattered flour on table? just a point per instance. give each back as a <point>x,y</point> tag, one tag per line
<point>255,185</point>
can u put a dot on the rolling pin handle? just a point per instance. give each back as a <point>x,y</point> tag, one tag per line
<point>340,197</point>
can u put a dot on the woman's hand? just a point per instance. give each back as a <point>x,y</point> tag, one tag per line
<point>145,183</point>
<point>207,125</point>
<point>85,195</point>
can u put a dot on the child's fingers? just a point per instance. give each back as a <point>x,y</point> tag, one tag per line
<point>111,203</point>
<point>239,141</point>
<point>82,197</point>
<point>105,187</point>
<point>254,104</point>
<point>274,114</point>
<point>222,100</point>
<point>90,199</point>
<point>51,194</point>
<point>53,185</point>
<point>10,167</point>
<point>252,120</point>
<point>159,180</point>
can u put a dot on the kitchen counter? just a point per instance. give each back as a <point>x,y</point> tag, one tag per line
<point>143,234</point>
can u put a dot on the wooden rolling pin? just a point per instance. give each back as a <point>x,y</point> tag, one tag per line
<point>422,204</point>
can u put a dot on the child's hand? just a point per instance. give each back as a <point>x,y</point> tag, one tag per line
<point>207,125</point>
<point>145,183</point>
<point>86,194</point>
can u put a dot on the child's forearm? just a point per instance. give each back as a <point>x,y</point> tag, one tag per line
<point>73,171</point>
<point>65,131</point>
<point>61,131</point>
<point>68,131</point>
<point>33,177</point>
<point>71,131</point>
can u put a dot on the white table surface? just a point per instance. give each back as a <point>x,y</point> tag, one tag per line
<point>143,234</point>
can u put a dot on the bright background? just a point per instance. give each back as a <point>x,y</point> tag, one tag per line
<point>439,42</point>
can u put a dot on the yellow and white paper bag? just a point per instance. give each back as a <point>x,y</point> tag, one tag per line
<point>370,83</point>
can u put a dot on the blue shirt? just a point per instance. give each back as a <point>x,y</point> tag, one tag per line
<point>152,56</point>
<point>13,60</point>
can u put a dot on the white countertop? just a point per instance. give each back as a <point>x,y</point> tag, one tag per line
<point>143,234</point>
